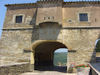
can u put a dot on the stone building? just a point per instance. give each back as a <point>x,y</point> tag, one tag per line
<point>33,31</point>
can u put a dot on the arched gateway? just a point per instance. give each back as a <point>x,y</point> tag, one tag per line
<point>43,52</point>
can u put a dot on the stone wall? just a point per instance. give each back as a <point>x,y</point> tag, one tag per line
<point>71,15</point>
<point>49,14</point>
<point>82,42</point>
<point>28,12</point>
<point>13,43</point>
<point>15,69</point>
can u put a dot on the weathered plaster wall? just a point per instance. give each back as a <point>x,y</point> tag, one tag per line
<point>50,31</point>
<point>13,44</point>
<point>51,13</point>
<point>82,41</point>
<point>15,69</point>
<point>28,12</point>
<point>71,15</point>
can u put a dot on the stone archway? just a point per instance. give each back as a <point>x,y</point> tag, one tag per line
<point>43,51</point>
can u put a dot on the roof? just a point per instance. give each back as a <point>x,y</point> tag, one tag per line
<point>20,4</point>
<point>68,2</point>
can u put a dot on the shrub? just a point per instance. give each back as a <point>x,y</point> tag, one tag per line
<point>82,65</point>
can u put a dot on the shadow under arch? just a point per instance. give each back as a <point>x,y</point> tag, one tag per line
<point>48,22</point>
<point>44,53</point>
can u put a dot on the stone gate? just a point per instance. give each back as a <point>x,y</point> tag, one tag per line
<point>33,31</point>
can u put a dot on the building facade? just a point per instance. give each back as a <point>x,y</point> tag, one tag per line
<point>33,31</point>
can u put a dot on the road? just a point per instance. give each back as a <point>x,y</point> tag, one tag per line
<point>47,73</point>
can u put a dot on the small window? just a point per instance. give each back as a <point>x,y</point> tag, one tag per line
<point>18,19</point>
<point>83,17</point>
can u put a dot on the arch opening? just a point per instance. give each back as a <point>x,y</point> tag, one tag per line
<point>97,49</point>
<point>44,54</point>
<point>60,57</point>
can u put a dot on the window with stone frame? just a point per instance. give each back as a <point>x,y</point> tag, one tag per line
<point>83,17</point>
<point>18,19</point>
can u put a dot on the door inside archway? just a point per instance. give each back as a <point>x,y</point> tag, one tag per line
<point>44,55</point>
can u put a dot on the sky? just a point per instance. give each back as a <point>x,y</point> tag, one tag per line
<point>61,50</point>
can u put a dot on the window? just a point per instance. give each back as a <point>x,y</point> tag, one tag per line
<point>18,19</point>
<point>83,17</point>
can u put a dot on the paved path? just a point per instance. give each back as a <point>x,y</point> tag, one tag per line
<point>58,71</point>
<point>47,73</point>
<point>83,72</point>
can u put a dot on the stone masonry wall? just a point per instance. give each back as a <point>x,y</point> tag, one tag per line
<point>71,15</point>
<point>13,43</point>
<point>28,12</point>
<point>81,45</point>
<point>14,69</point>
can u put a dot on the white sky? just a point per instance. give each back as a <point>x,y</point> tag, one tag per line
<point>62,50</point>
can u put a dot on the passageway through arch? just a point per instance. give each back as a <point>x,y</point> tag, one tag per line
<point>44,54</point>
<point>60,57</point>
<point>97,48</point>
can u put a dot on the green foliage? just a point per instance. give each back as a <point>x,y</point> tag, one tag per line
<point>98,46</point>
<point>60,59</point>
